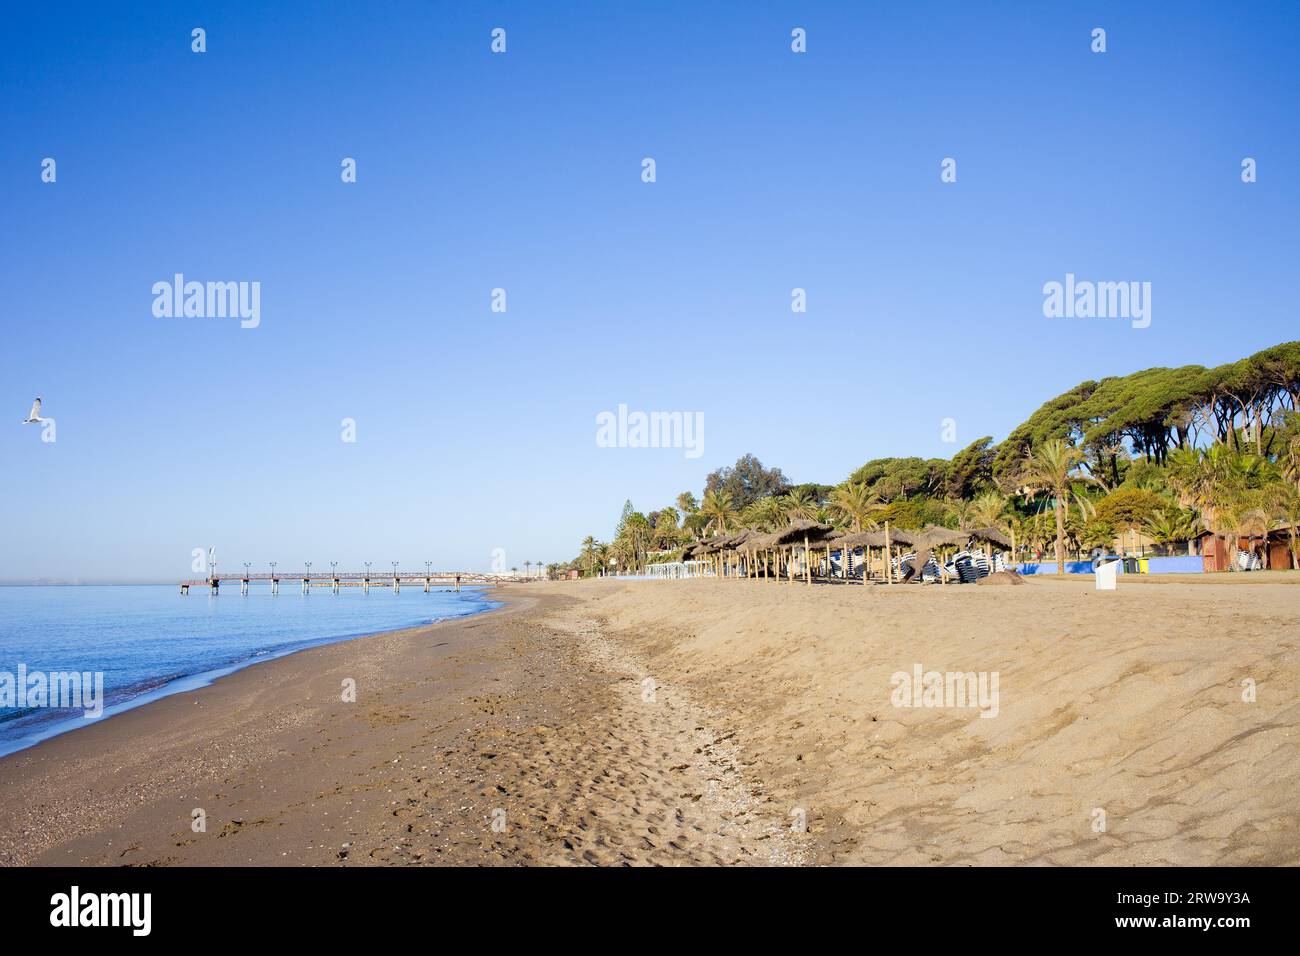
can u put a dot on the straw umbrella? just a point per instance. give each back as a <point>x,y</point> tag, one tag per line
<point>763,543</point>
<point>703,549</point>
<point>892,537</point>
<point>752,544</point>
<point>834,538</point>
<point>718,548</point>
<point>993,537</point>
<point>738,543</point>
<point>809,531</point>
<point>866,540</point>
<point>931,538</point>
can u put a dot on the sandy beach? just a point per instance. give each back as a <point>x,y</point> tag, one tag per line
<point>702,722</point>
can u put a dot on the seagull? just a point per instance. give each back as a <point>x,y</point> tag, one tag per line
<point>35,417</point>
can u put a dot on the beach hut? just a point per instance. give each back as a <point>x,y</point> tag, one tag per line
<point>1278,545</point>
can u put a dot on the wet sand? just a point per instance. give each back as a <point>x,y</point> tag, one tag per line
<point>700,722</point>
<point>494,739</point>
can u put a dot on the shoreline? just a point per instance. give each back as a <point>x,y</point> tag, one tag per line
<point>60,755</point>
<point>52,727</point>
<point>519,712</point>
<point>689,722</point>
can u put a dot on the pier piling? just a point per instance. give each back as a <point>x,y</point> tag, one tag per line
<point>337,580</point>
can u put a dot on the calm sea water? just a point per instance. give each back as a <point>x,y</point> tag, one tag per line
<point>150,641</point>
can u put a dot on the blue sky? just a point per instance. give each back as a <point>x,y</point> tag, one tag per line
<point>476,430</point>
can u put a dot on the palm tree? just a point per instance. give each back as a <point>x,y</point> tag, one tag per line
<point>797,505</point>
<point>765,513</point>
<point>527,566</point>
<point>1051,469</point>
<point>1289,461</point>
<point>622,551</point>
<point>695,523</point>
<point>719,511</point>
<point>857,504</point>
<point>1239,516</point>
<point>637,534</point>
<point>589,545</point>
<point>1284,502</point>
<point>1223,484</point>
<point>1167,525</point>
<point>666,533</point>
<point>963,511</point>
<point>989,510</point>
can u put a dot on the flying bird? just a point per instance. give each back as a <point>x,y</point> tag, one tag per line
<point>35,417</point>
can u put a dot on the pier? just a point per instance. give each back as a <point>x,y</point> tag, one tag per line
<point>336,581</point>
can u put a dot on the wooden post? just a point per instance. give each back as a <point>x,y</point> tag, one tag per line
<point>807,563</point>
<point>889,556</point>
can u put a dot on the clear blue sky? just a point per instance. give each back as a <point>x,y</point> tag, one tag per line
<point>775,170</point>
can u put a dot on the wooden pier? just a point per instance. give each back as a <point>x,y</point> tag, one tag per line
<point>361,579</point>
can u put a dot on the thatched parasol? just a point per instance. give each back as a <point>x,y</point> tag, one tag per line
<point>695,550</point>
<point>924,544</point>
<point>797,531</point>
<point>807,532</point>
<point>993,536</point>
<point>864,539</point>
<point>905,538</point>
<point>937,537</point>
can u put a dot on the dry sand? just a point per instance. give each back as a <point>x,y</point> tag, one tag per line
<point>697,722</point>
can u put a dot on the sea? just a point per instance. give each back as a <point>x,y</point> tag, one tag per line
<point>149,641</point>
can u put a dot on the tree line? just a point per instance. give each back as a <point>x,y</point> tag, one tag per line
<point>1168,452</point>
